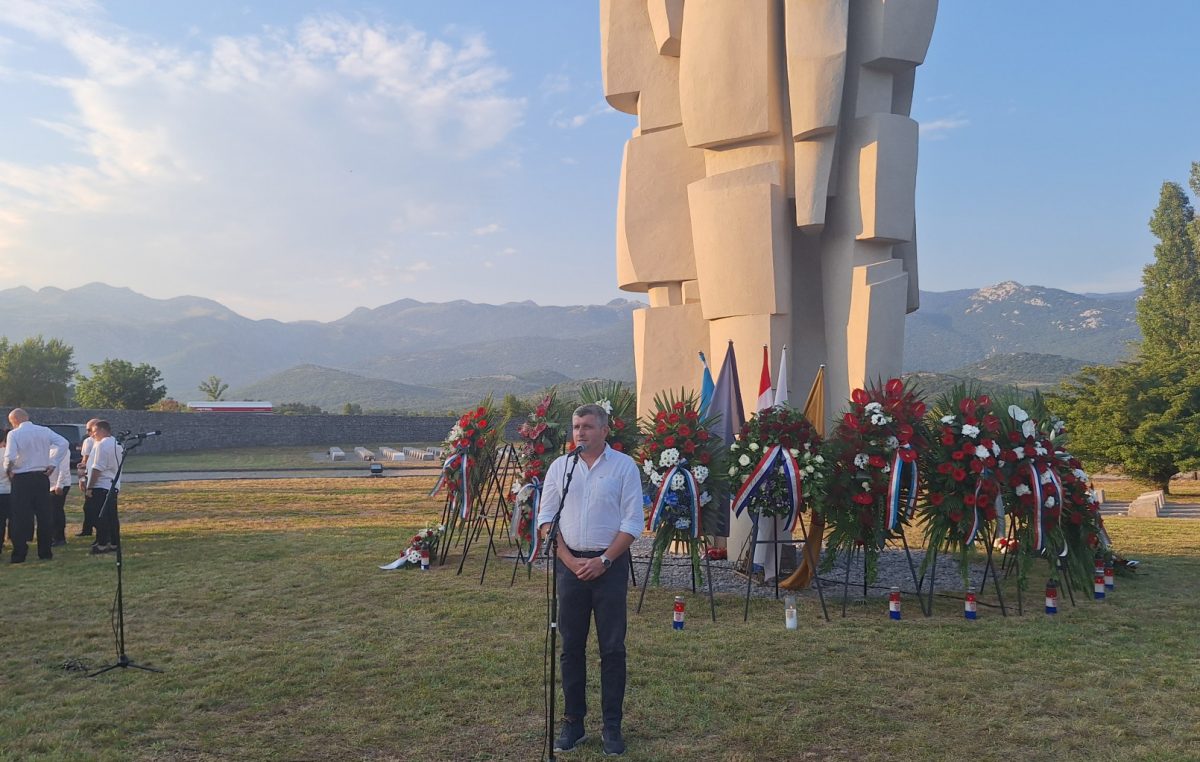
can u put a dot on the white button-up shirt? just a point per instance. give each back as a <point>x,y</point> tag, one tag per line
<point>29,447</point>
<point>103,463</point>
<point>5,484</point>
<point>603,499</point>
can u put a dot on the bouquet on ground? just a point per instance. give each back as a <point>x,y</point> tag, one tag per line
<point>543,436</point>
<point>960,469</point>
<point>468,450</point>
<point>619,401</point>
<point>684,477</point>
<point>873,489</point>
<point>777,467</point>
<point>421,548</point>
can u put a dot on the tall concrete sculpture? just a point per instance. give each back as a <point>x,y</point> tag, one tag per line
<point>767,192</point>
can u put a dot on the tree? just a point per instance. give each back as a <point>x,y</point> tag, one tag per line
<point>1144,415</point>
<point>168,405</point>
<point>120,385</point>
<point>1169,310</point>
<point>352,408</point>
<point>298,408</point>
<point>213,388</point>
<point>35,372</point>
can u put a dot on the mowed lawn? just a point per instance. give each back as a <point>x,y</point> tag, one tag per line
<point>281,639</point>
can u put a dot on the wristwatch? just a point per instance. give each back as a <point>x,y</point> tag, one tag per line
<point>605,560</point>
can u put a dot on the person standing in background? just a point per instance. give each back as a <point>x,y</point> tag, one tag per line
<point>60,486</point>
<point>102,471</point>
<point>5,490</point>
<point>29,466</point>
<point>85,449</point>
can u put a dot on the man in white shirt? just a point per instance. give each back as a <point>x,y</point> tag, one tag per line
<point>5,490</point>
<point>29,466</point>
<point>601,517</point>
<point>85,450</point>
<point>100,490</point>
<point>60,486</point>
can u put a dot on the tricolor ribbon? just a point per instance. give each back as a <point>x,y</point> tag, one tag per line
<point>689,485</point>
<point>974,530</point>
<point>534,491</point>
<point>775,456</point>
<point>460,461</point>
<point>893,500</point>
<point>1035,486</point>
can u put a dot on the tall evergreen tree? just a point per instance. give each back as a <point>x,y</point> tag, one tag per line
<point>1169,310</point>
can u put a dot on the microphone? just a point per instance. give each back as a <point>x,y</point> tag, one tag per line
<point>151,434</point>
<point>575,453</point>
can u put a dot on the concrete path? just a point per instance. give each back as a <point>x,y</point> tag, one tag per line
<point>1181,511</point>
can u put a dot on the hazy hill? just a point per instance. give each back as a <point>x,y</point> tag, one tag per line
<point>954,328</point>
<point>429,356</point>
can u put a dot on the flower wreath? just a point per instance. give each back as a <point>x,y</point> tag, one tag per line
<point>542,438</point>
<point>874,486</point>
<point>1082,526</point>
<point>776,465</point>
<point>469,445</point>
<point>960,470</point>
<point>619,401</point>
<point>421,547</point>
<point>684,476</point>
<point>1034,495</point>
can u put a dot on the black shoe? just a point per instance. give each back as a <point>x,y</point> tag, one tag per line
<point>58,543</point>
<point>570,735</point>
<point>47,557</point>
<point>98,550</point>
<point>84,534</point>
<point>17,560</point>
<point>614,743</point>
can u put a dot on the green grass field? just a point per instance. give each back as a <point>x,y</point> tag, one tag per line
<point>280,639</point>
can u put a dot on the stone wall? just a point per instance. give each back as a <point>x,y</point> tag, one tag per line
<point>204,431</point>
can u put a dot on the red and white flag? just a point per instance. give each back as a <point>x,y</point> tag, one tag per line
<point>766,398</point>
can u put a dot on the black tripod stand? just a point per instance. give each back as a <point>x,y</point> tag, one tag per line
<point>129,442</point>
<point>552,602</point>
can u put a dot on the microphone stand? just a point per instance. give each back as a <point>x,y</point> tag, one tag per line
<point>122,659</point>
<point>552,608</point>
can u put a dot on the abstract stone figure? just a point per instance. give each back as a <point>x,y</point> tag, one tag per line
<point>767,193</point>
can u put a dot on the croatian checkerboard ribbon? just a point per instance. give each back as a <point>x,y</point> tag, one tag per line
<point>689,485</point>
<point>776,456</point>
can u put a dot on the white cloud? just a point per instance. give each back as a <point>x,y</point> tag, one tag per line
<point>573,121</point>
<point>287,152</point>
<point>936,129</point>
<point>489,229</point>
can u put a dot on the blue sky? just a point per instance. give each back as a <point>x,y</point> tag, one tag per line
<point>296,160</point>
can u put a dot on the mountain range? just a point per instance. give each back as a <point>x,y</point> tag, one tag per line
<point>412,355</point>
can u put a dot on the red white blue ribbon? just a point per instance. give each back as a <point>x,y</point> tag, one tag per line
<point>689,485</point>
<point>460,461</point>
<point>893,500</point>
<point>1035,486</point>
<point>974,530</point>
<point>792,473</point>
<point>534,490</point>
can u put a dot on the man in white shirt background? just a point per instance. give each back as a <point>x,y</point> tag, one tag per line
<point>101,474</point>
<point>60,486</point>
<point>85,449</point>
<point>29,466</point>
<point>5,490</point>
<point>600,519</point>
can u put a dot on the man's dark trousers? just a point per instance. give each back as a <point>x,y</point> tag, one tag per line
<point>107,527</point>
<point>577,602</point>
<point>30,500</point>
<point>58,513</point>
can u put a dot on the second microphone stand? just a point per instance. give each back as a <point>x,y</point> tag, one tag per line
<point>123,660</point>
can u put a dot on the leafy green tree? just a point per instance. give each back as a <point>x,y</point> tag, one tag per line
<point>213,388</point>
<point>35,372</point>
<point>1169,310</point>
<point>352,408</point>
<point>120,385</point>
<point>1143,416</point>
<point>168,405</point>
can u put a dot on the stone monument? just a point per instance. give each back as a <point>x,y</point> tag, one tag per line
<point>767,192</point>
